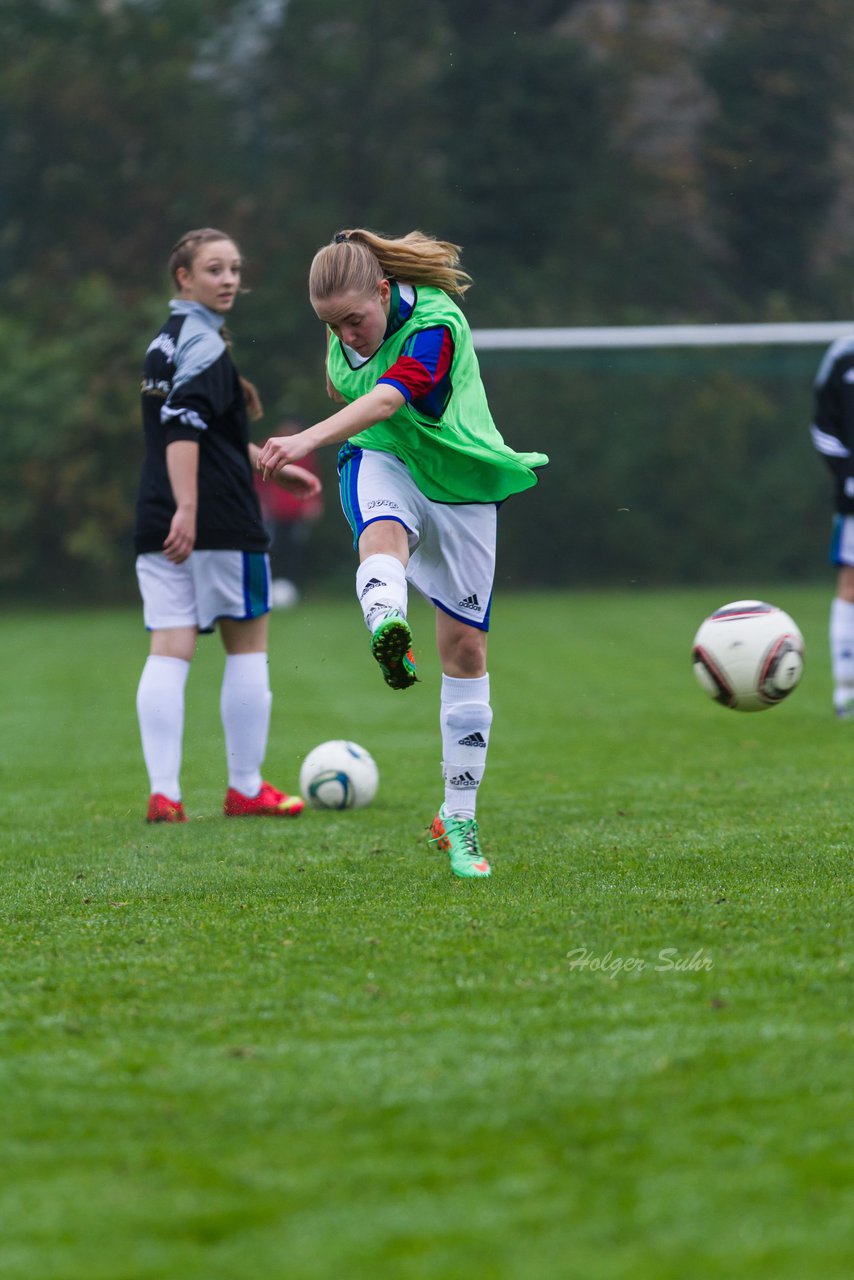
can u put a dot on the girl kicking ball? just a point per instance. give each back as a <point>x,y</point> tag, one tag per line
<point>422,471</point>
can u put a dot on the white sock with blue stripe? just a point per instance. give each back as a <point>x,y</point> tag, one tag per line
<point>380,586</point>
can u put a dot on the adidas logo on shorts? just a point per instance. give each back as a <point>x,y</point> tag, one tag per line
<point>470,602</point>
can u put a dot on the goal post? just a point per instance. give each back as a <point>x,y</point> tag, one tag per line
<point>798,333</point>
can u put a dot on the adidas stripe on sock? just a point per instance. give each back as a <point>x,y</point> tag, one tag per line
<point>380,586</point>
<point>466,719</point>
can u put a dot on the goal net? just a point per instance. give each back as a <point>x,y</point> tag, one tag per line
<point>679,454</point>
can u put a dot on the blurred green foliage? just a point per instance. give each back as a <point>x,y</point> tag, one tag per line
<point>667,466</point>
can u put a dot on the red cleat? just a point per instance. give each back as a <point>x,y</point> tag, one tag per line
<point>269,803</point>
<point>162,809</point>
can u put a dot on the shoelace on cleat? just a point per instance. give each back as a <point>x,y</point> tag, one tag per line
<point>469,837</point>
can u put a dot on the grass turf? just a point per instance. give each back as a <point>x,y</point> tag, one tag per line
<point>302,1049</point>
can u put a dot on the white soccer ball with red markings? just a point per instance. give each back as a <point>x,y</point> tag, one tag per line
<point>748,655</point>
<point>338,775</point>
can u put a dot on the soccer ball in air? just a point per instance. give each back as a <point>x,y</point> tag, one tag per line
<point>748,655</point>
<point>338,775</point>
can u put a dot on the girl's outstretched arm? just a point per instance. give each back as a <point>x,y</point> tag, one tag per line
<point>375,406</point>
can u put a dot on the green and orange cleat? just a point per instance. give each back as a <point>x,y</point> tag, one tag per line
<point>269,803</point>
<point>459,839</point>
<point>162,809</point>
<point>391,645</point>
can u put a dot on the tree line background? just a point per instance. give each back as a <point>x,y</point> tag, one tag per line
<point>601,161</point>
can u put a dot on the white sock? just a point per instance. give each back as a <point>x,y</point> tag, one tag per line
<point>245,702</point>
<point>380,586</point>
<point>842,651</point>
<point>160,708</point>
<point>465,718</point>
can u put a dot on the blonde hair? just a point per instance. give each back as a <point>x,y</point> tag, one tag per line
<point>358,260</point>
<point>184,250</point>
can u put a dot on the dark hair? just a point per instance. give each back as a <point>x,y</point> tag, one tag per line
<point>184,250</point>
<point>358,260</point>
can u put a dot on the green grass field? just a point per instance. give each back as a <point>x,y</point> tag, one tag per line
<point>249,1049</point>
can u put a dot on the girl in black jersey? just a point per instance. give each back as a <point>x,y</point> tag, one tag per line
<point>201,546</point>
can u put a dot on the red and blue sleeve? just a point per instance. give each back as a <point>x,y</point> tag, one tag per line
<point>423,364</point>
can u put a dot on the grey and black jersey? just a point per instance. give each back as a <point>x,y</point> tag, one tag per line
<point>833,424</point>
<point>191,391</point>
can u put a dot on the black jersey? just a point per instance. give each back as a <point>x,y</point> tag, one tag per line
<point>833,424</point>
<point>191,391</point>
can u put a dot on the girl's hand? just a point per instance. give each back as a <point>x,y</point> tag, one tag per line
<point>280,451</point>
<point>298,481</point>
<point>181,537</point>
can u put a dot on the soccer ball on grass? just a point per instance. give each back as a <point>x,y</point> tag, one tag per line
<point>748,655</point>
<point>338,775</point>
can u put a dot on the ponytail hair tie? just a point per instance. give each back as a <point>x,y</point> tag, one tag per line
<point>341,237</point>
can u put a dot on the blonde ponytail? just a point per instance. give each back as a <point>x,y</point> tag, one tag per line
<point>356,261</point>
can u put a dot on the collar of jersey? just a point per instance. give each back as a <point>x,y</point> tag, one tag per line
<point>400,307</point>
<point>184,307</point>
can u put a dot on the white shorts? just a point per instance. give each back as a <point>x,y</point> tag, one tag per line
<point>842,540</point>
<point>207,586</point>
<point>452,546</point>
